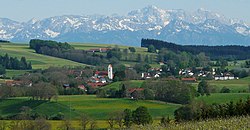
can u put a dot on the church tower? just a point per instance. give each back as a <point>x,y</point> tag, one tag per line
<point>110,71</point>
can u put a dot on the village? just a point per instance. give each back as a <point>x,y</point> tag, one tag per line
<point>102,78</point>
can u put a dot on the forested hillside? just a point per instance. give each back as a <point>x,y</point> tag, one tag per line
<point>214,52</point>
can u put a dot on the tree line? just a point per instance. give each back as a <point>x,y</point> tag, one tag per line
<point>65,51</point>
<point>8,62</point>
<point>117,54</point>
<point>235,52</point>
<point>4,41</point>
<point>202,111</point>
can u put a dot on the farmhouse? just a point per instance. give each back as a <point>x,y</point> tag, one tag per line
<point>82,87</point>
<point>99,50</point>
<point>96,85</point>
<point>189,80</point>
<point>135,93</point>
<point>18,83</point>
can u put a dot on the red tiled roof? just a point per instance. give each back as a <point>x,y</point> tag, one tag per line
<point>13,82</point>
<point>188,79</point>
<point>135,89</point>
<point>95,85</point>
<point>82,87</point>
<point>101,72</point>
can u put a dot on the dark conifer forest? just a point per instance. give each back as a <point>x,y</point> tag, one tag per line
<point>230,52</point>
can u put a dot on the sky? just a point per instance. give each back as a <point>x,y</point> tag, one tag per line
<point>24,10</point>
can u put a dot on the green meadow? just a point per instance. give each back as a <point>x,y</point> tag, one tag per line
<point>128,84</point>
<point>73,106</point>
<point>236,86</point>
<point>38,61</point>
<point>222,98</point>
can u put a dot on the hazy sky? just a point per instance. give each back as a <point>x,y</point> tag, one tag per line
<point>24,10</point>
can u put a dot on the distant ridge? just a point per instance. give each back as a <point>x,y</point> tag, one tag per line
<point>4,41</point>
<point>214,52</point>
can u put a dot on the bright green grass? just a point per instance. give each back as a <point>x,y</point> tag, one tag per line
<point>97,108</point>
<point>38,61</point>
<point>129,84</point>
<point>223,97</point>
<point>11,73</point>
<point>12,106</point>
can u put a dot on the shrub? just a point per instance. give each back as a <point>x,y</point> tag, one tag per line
<point>225,90</point>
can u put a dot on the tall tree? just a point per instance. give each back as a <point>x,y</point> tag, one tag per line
<point>204,88</point>
<point>141,116</point>
<point>151,49</point>
<point>127,118</point>
<point>2,70</point>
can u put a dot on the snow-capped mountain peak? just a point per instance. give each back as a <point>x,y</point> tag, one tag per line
<point>199,27</point>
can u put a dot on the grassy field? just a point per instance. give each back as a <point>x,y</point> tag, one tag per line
<point>38,61</point>
<point>233,123</point>
<point>234,85</point>
<point>97,108</point>
<point>128,84</point>
<point>221,98</point>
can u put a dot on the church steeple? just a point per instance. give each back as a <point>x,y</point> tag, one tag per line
<point>110,72</point>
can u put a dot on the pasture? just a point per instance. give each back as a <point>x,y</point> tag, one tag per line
<point>222,98</point>
<point>38,61</point>
<point>73,106</point>
<point>236,86</point>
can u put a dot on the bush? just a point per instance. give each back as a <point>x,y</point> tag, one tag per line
<point>225,90</point>
<point>58,116</point>
<point>141,116</point>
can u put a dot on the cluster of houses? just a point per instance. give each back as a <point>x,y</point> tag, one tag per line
<point>202,73</point>
<point>152,73</point>
<point>16,83</point>
<point>101,78</point>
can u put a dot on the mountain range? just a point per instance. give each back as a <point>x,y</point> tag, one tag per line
<point>201,27</point>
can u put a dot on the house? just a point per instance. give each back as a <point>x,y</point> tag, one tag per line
<point>82,87</point>
<point>94,80</point>
<point>146,76</point>
<point>18,83</point>
<point>103,50</point>
<point>135,93</point>
<point>101,74</point>
<point>66,86</point>
<point>96,85</point>
<point>103,80</point>
<point>157,75</point>
<point>189,80</point>
<point>93,50</point>
<point>131,90</point>
<point>161,63</point>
